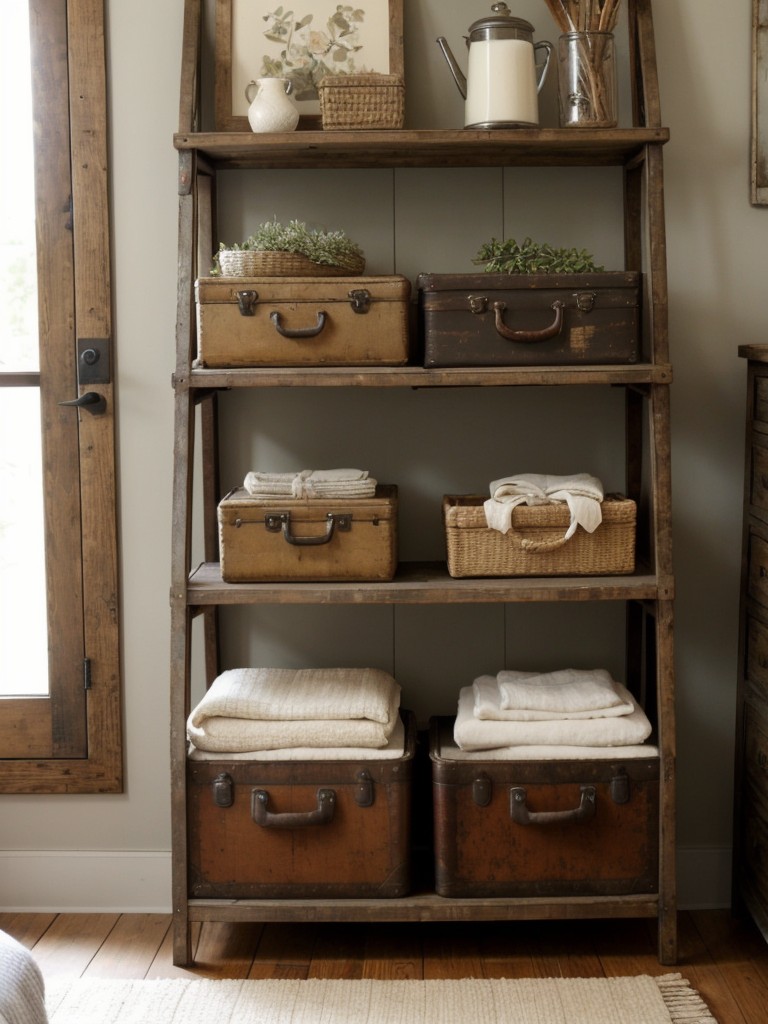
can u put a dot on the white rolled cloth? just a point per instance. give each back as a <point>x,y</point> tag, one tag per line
<point>581,492</point>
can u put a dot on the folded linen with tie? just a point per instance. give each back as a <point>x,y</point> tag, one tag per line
<point>472,733</point>
<point>267,708</point>
<point>581,492</point>
<point>539,697</point>
<point>311,483</point>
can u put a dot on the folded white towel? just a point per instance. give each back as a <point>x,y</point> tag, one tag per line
<point>244,734</point>
<point>566,690</point>
<point>395,748</point>
<point>312,483</point>
<point>277,694</point>
<point>488,705</point>
<point>582,493</point>
<point>472,733</point>
<point>549,753</point>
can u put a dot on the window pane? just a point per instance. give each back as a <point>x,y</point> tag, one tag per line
<point>23,618</point>
<point>18,271</point>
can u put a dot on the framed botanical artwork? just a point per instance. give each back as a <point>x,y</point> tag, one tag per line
<point>302,42</point>
<point>759,194</point>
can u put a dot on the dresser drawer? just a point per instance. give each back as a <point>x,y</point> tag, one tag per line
<point>756,754</point>
<point>758,492</point>
<point>760,411</point>
<point>758,569</point>
<point>757,656</point>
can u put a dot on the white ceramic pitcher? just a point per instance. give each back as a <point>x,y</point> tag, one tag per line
<point>271,108</point>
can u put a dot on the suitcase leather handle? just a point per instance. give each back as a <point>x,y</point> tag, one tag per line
<point>554,328</point>
<point>518,809</point>
<point>299,332</point>
<point>275,521</point>
<point>322,815</point>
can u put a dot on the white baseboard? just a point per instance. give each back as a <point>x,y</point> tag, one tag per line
<point>140,883</point>
<point>89,881</point>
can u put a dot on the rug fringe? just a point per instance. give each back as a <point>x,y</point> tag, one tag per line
<point>684,1003</point>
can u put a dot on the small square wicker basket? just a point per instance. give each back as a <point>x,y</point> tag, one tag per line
<point>349,102</point>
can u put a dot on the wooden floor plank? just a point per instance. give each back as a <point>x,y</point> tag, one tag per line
<point>130,948</point>
<point>734,945</point>
<point>71,943</point>
<point>338,951</point>
<point>393,953</point>
<point>26,928</point>
<point>452,951</point>
<point>284,951</point>
<point>163,966</point>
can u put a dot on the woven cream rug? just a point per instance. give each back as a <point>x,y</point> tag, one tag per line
<point>641,1000</point>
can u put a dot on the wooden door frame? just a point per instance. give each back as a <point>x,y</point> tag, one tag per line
<point>101,770</point>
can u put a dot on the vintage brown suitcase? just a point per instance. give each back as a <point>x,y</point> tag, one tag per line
<point>543,828</point>
<point>333,539</point>
<point>303,829</point>
<point>529,319</point>
<point>535,546</point>
<point>284,321</point>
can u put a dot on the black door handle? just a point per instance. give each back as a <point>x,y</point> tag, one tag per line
<point>91,400</point>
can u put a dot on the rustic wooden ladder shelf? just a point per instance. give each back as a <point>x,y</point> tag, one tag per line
<point>648,594</point>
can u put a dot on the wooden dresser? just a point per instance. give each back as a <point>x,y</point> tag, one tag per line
<point>750,846</point>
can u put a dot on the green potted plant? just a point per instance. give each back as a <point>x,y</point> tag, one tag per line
<point>529,257</point>
<point>289,250</point>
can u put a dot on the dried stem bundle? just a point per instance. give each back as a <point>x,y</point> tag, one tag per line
<point>584,15</point>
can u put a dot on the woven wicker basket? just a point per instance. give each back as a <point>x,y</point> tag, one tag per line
<point>534,546</point>
<point>361,101</point>
<point>255,263</point>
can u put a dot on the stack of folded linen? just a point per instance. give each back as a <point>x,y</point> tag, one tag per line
<point>276,714</point>
<point>569,713</point>
<point>311,483</point>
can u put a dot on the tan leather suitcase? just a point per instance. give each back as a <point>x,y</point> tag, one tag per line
<point>274,829</point>
<point>529,319</point>
<point>294,539</point>
<point>542,828</point>
<point>312,321</point>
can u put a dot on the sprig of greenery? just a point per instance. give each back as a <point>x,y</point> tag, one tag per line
<point>328,248</point>
<point>529,257</point>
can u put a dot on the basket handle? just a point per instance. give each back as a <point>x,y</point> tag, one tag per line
<point>299,332</point>
<point>547,332</point>
<point>537,546</point>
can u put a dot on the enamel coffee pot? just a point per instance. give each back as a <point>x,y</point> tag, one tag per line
<point>502,85</point>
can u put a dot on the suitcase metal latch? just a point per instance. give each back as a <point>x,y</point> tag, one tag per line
<point>359,300</point>
<point>363,791</point>
<point>585,301</point>
<point>246,302</point>
<point>620,788</point>
<point>478,303</point>
<point>482,790</point>
<point>223,790</point>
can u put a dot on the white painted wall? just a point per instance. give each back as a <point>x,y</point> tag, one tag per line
<point>82,852</point>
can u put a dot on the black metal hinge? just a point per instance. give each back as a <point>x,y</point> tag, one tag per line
<point>86,673</point>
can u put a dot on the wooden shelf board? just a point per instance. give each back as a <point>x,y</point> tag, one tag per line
<point>433,148</point>
<point>418,377</point>
<point>425,907</point>
<point>419,583</point>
